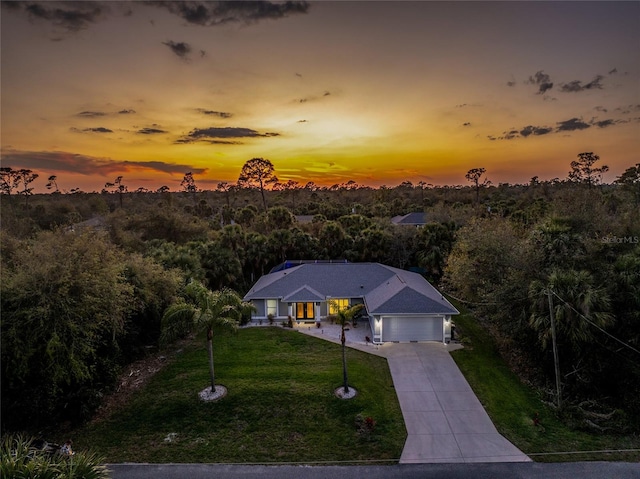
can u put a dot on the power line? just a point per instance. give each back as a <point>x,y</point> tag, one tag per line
<point>595,325</point>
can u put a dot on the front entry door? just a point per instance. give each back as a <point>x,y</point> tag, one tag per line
<point>305,311</point>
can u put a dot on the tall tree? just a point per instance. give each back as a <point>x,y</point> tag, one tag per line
<point>474,175</point>
<point>206,310</point>
<point>435,243</point>
<point>226,189</point>
<point>119,187</point>
<point>188,184</point>
<point>630,181</point>
<point>53,183</point>
<point>583,169</point>
<point>9,180</point>
<point>344,316</point>
<point>64,301</point>
<point>258,172</point>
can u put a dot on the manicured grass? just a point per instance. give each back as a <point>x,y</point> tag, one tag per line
<point>512,405</point>
<point>280,406</point>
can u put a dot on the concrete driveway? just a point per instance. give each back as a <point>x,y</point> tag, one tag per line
<point>445,421</point>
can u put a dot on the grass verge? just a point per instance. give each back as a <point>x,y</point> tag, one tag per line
<point>280,406</point>
<point>512,406</point>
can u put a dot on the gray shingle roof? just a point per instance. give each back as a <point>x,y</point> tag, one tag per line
<point>385,290</point>
<point>418,218</point>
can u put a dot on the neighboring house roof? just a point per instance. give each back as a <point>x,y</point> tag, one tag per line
<point>385,290</point>
<point>412,219</point>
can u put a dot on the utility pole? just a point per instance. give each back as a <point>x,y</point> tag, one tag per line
<point>555,346</point>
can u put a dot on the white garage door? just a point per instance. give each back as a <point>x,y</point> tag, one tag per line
<point>411,328</point>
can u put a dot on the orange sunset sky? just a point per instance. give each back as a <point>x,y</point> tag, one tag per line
<point>372,91</point>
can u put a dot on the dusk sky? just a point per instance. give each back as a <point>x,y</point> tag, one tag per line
<point>378,92</point>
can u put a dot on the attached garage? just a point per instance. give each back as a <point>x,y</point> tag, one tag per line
<point>412,328</point>
<point>400,305</point>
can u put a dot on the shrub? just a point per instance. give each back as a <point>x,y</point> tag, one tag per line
<point>20,458</point>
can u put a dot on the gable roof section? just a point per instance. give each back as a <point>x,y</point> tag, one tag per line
<point>407,293</point>
<point>386,290</point>
<point>304,294</point>
<point>410,301</point>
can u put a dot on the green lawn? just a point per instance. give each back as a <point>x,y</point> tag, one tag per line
<point>512,405</point>
<point>280,406</point>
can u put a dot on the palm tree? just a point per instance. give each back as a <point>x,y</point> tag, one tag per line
<point>344,317</point>
<point>579,297</point>
<point>208,309</point>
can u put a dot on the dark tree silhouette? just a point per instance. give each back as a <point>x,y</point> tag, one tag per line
<point>226,189</point>
<point>583,171</point>
<point>188,183</point>
<point>53,183</point>
<point>26,177</point>
<point>630,181</point>
<point>474,175</point>
<point>9,180</point>
<point>119,188</point>
<point>258,172</point>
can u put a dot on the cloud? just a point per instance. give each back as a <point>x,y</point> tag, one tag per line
<point>562,126</point>
<point>600,108</point>
<point>221,114</point>
<point>214,133</point>
<point>92,130</point>
<point>126,112</point>
<point>572,125</point>
<point>604,123</point>
<point>63,161</point>
<point>611,72</point>
<point>535,130</point>
<point>69,16</point>
<point>150,131</point>
<point>466,123</point>
<point>91,114</point>
<point>181,49</point>
<point>577,86</point>
<point>313,97</point>
<point>75,16</point>
<point>626,110</point>
<point>222,12</point>
<point>542,80</point>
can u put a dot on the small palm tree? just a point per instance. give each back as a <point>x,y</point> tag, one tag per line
<point>344,317</point>
<point>207,309</point>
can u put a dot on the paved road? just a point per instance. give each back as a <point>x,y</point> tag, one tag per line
<point>527,470</point>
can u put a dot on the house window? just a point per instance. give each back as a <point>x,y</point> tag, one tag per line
<point>336,305</point>
<point>305,311</point>
<point>272,307</point>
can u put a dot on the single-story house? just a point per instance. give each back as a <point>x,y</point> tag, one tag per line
<point>400,305</point>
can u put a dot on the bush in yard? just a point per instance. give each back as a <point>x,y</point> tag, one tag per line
<point>19,458</point>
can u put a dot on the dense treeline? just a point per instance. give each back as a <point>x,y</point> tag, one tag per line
<point>87,277</point>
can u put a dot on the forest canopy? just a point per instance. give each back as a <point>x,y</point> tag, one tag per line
<point>87,276</point>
